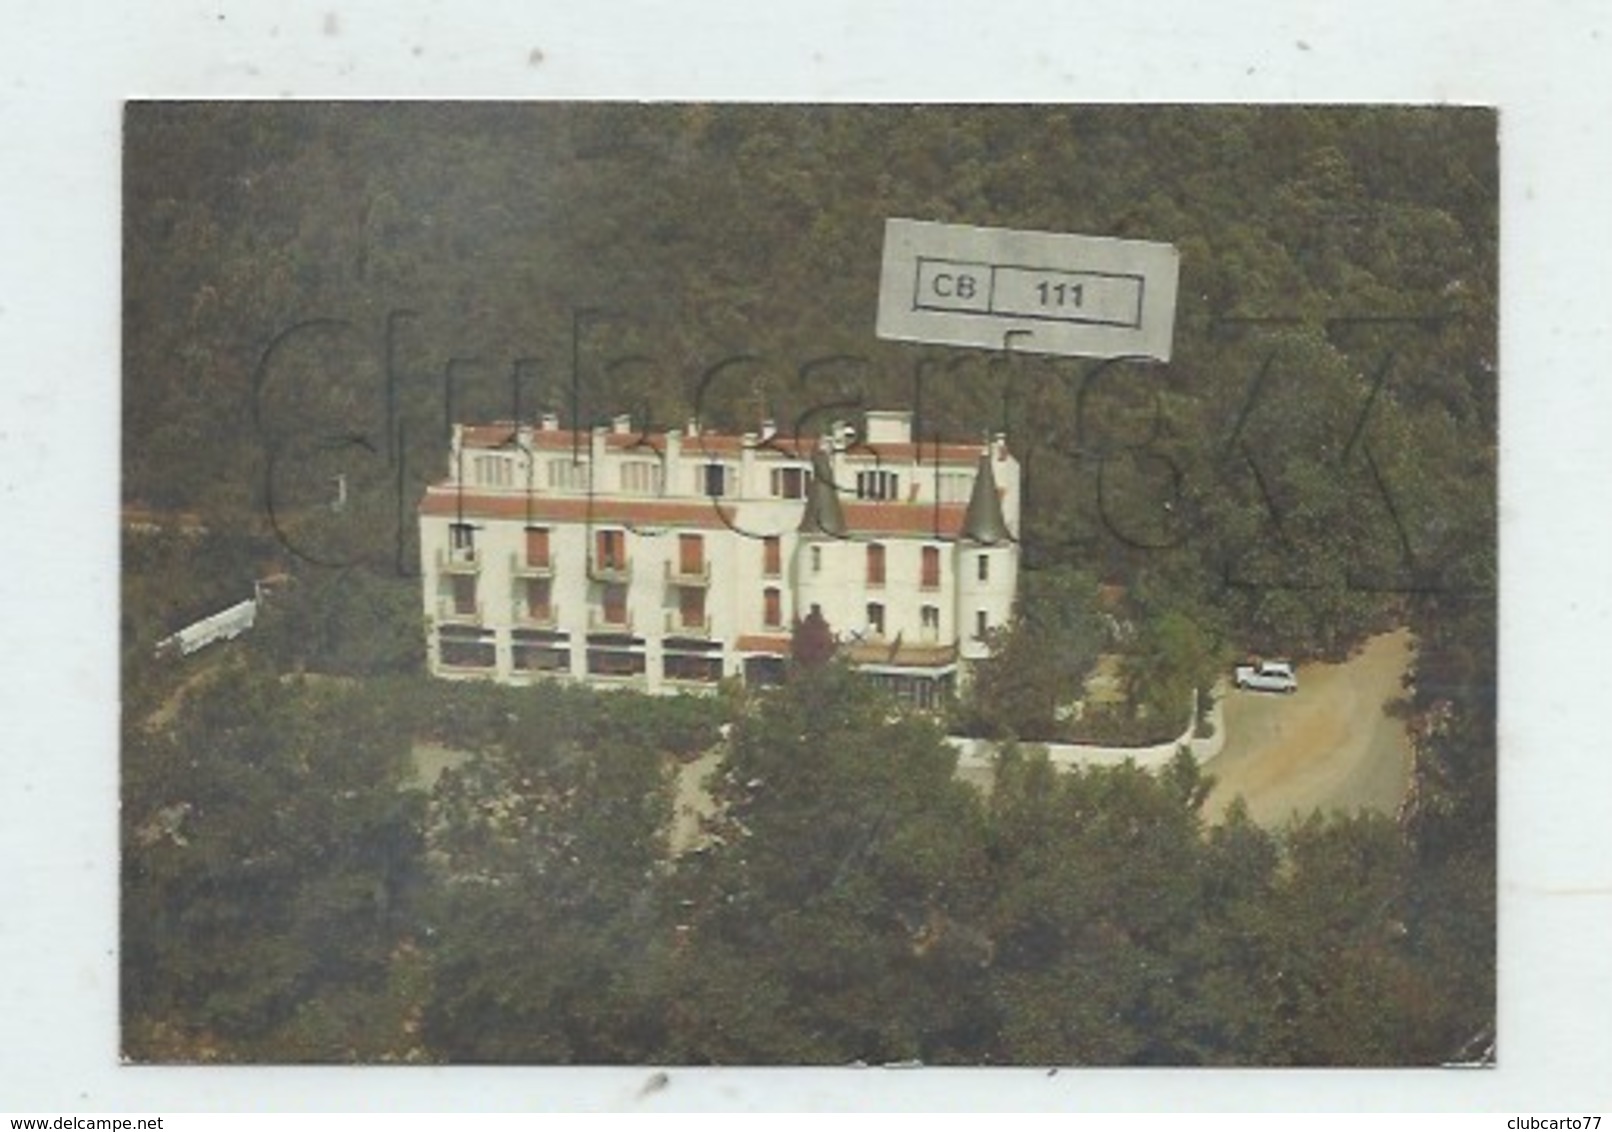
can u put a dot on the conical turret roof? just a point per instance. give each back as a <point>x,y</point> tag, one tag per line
<point>822,515</point>
<point>984,522</point>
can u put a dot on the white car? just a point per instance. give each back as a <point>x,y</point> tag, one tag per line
<point>1267,676</point>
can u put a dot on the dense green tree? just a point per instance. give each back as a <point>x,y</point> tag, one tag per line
<point>544,906</point>
<point>846,891</point>
<point>1099,891</point>
<point>268,862</point>
<point>811,645</point>
<point>346,622</point>
<point>545,923</point>
<point>1039,664</point>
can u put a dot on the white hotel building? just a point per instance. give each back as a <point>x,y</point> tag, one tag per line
<point>667,561</point>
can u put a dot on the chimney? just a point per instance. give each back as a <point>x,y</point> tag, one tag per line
<point>747,462</point>
<point>550,422</point>
<point>621,424</point>
<point>889,426</point>
<point>674,456</point>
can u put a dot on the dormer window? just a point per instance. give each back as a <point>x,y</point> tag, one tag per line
<point>878,485</point>
<point>714,478</point>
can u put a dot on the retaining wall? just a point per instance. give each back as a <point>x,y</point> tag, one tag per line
<point>980,754</point>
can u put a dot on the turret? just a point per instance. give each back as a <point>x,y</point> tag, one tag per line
<point>823,579</point>
<point>987,566</point>
<point>983,522</point>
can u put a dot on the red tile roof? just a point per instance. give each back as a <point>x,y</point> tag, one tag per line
<point>503,435</point>
<point>763,643</point>
<point>925,453</point>
<point>900,654</point>
<point>916,519</point>
<point>727,444</point>
<point>944,520</point>
<point>445,501</point>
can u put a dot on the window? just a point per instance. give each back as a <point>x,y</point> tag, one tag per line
<point>714,480</point>
<point>875,564</point>
<point>464,594</point>
<point>954,487</point>
<point>930,579</point>
<point>984,568</point>
<point>540,658</point>
<point>537,546</point>
<point>615,604</point>
<point>929,617</point>
<point>878,485</point>
<point>690,555</point>
<point>566,474</point>
<point>494,471</point>
<point>982,624</point>
<point>771,556</point>
<point>763,671</point>
<point>610,550</point>
<point>772,607</point>
<point>876,618</point>
<point>704,669</point>
<point>817,560</point>
<point>539,599</point>
<point>615,662</point>
<point>456,652</point>
<point>640,477</point>
<point>789,483</point>
<point>691,608</point>
<point>462,538</point>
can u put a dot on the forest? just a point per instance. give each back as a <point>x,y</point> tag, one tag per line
<point>316,291</point>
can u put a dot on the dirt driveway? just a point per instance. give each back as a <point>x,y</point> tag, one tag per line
<point>1328,746</point>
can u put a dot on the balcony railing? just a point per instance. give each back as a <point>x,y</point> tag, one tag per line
<point>679,574</point>
<point>449,613</point>
<point>522,567</point>
<point>600,622</point>
<point>678,626</point>
<point>610,570</point>
<point>542,617</point>
<point>458,560</point>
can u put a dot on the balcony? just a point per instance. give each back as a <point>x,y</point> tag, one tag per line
<point>449,613</point>
<point>610,570</point>
<point>521,567</point>
<point>678,626</point>
<point>599,622</point>
<point>679,574</point>
<point>458,560</point>
<point>543,617</point>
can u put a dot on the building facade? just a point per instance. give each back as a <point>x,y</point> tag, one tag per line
<point>668,561</point>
